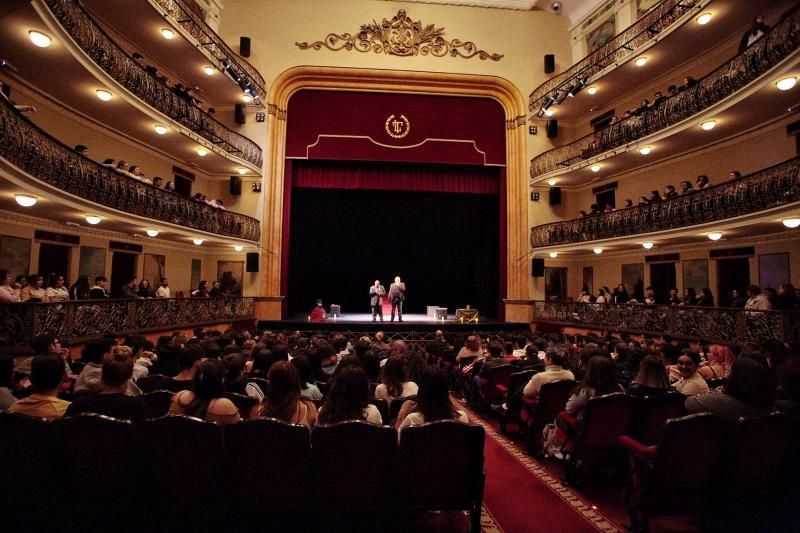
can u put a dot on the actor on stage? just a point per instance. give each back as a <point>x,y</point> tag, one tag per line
<point>376,293</point>
<point>397,295</point>
<point>318,314</point>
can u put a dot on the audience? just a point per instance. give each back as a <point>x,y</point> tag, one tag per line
<point>207,400</point>
<point>393,381</point>
<point>433,402</point>
<point>47,373</point>
<point>690,381</point>
<point>283,400</point>
<point>750,392</point>
<point>348,399</point>
<point>600,379</point>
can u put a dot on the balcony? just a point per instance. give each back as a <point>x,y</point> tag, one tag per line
<point>768,189</point>
<point>741,76</point>
<point>29,152</point>
<point>78,321</point>
<point>95,46</point>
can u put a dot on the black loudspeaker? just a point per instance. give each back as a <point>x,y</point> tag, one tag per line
<point>252,261</point>
<point>555,195</point>
<point>244,46</point>
<point>549,63</point>
<point>552,128</point>
<point>239,115</point>
<point>236,185</point>
<point>537,268</point>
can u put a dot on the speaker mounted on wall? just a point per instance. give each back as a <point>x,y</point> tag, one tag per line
<point>552,128</point>
<point>555,195</point>
<point>244,46</point>
<point>236,186</point>
<point>251,262</point>
<point>537,267</point>
<point>549,63</point>
<point>239,115</point>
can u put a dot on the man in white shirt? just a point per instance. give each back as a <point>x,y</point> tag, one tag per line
<point>163,289</point>
<point>553,371</point>
<point>757,301</point>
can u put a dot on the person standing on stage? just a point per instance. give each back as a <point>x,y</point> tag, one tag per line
<point>376,293</point>
<point>397,295</point>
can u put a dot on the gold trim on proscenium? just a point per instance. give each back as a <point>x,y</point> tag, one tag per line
<point>373,141</point>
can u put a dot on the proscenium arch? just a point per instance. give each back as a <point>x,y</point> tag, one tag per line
<point>392,81</point>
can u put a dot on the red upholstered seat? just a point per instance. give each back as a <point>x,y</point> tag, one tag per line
<point>652,412</point>
<point>493,388</point>
<point>158,401</point>
<point>543,410</point>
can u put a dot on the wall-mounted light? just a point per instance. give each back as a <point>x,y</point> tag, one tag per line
<point>93,219</point>
<point>704,19</point>
<point>197,242</point>
<point>210,71</point>
<point>786,83</point>
<point>708,125</point>
<point>238,247</point>
<point>598,250</point>
<point>104,95</point>
<point>553,255</point>
<point>645,150</point>
<point>152,232</point>
<point>160,129</point>
<point>595,168</point>
<point>715,236</point>
<point>26,200</point>
<point>552,182</point>
<point>39,39</point>
<point>640,62</point>
<point>167,33</point>
<point>791,222</point>
<point>592,90</point>
<point>647,245</point>
<point>241,171</point>
<point>202,152</point>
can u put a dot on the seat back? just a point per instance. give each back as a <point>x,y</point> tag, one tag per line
<point>383,408</point>
<point>395,406</point>
<point>158,401</point>
<point>243,403</point>
<point>552,399</point>
<point>604,419</point>
<point>517,380</point>
<point>353,463</point>
<point>653,412</point>
<point>262,383</point>
<point>440,465</point>
<point>152,382</point>
<point>759,453</point>
<point>497,380</point>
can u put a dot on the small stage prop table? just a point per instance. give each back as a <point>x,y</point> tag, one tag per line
<point>466,315</point>
<point>336,310</point>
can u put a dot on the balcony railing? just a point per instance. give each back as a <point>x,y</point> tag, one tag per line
<point>772,187</point>
<point>712,324</point>
<point>30,149</point>
<point>106,54</point>
<point>76,321</point>
<point>659,18</point>
<point>213,43</point>
<point>755,61</point>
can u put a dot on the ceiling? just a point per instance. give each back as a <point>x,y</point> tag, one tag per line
<point>574,10</point>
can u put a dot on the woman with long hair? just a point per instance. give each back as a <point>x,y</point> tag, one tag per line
<point>750,392</point>
<point>433,402</point>
<point>34,291</point>
<point>600,379</point>
<point>56,291</point>
<point>201,291</point>
<point>651,379</point>
<point>394,383</point>
<point>145,290</point>
<point>283,400</point>
<point>719,362</point>
<point>348,399</point>
<point>80,289</point>
<point>706,298</point>
<point>208,400</point>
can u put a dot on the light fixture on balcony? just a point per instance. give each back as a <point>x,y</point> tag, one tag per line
<point>791,222</point>
<point>160,129</point>
<point>104,95</point>
<point>39,39</point>
<point>246,98</point>
<point>197,242</point>
<point>552,182</point>
<point>787,83</point>
<point>579,85</point>
<point>152,232</point>
<point>26,200</point>
<point>167,33</point>
<point>241,170</point>
<point>704,19</point>
<point>640,62</point>
<point>592,90</point>
<point>202,152</point>
<point>708,125</point>
<point>598,250</point>
<point>93,219</point>
<point>553,255</point>
<point>647,245</point>
<point>715,235</point>
<point>548,113</point>
<point>595,168</point>
<point>645,150</point>
<point>209,70</point>
<point>238,247</point>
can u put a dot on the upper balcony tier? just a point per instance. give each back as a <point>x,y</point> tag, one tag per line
<point>32,160</point>
<point>754,201</point>
<point>737,96</point>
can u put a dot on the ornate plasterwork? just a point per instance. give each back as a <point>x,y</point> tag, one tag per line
<point>400,36</point>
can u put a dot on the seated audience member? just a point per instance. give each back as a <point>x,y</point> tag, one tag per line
<point>47,373</point>
<point>651,379</point>
<point>80,289</point>
<point>689,296</point>
<point>7,384</point>
<point>757,30</point>
<point>702,182</point>
<point>109,162</point>
<point>189,359</point>
<point>628,203</point>
<point>318,314</point>
<point>658,98</point>
<point>491,359</point>
<point>145,290</point>
<point>690,382</point>
<point>750,392</point>
<point>20,282</point>
<point>670,192</point>
<point>169,186</point>
<point>673,90</point>
<point>554,361</point>
<point>158,182</point>
<point>719,362</point>
<point>82,149</point>
<point>34,291</point>
<point>734,175</point>
<point>308,389</point>
<point>786,300</point>
<point>600,379</point>
<point>706,298</point>
<point>737,300</point>
<point>163,290</point>
<point>207,400</point>
<point>655,197</point>
<point>130,290</point>
<point>584,297</point>
<point>620,294</point>
<point>686,187</point>
<point>757,301</point>
<point>56,291</point>
<point>201,291</point>
<point>122,166</point>
<point>649,296</point>
<point>99,291</point>
<point>112,398</point>
<point>643,200</point>
<point>471,348</point>
<point>348,399</point>
<point>283,400</point>
<point>328,359</point>
<point>234,373</point>
<point>94,354</point>
<point>673,298</point>
<point>433,402</point>
<point>393,381</point>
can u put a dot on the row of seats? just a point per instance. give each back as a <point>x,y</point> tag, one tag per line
<point>179,472</point>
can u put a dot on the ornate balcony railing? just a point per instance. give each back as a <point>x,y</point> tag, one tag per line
<point>772,187</point>
<point>736,73</point>
<point>76,321</point>
<point>110,57</point>
<point>27,147</point>
<point>713,324</point>
<point>659,18</point>
<point>195,26</point>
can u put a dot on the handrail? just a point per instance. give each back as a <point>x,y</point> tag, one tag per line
<point>76,321</point>
<point>31,149</point>
<point>711,324</point>
<point>768,188</point>
<point>116,62</point>
<point>656,20</point>
<point>195,26</point>
<point>756,60</point>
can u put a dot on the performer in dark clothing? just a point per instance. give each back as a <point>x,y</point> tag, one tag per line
<point>397,295</point>
<point>376,293</point>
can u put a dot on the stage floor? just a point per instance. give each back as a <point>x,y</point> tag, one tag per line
<point>408,318</point>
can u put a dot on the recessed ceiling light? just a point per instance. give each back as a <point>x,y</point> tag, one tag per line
<point>26,200</point>
<point>104,95</point>
<point>93,219</point>
<point>553,255</point>
<point>242,171</point>
<point>704,19</point>
<point>238,247</point>
<point>787,83</point>
<point>152,232</point>
<point>640,62</point>
<point>210,71</point>
<point>167,33</point>
<point>552,182</point>
<point>39,39</point>
<point>246,98</point>
<point>595,168</point>
<point>645,150</point>
<point>715,236</point>
<point>647,245</point>
<point>791,222</point>
<point>202,152</point>
<point>708,125</point>
<point>160,129</point>
<point>592,90</point>
<point>598,250</point>
<point>197,242</point>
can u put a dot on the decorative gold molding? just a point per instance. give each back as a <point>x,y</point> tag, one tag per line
<point>277,112</point>
<point>400,36</point>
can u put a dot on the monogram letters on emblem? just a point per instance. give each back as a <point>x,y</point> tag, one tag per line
<point>397,127</point>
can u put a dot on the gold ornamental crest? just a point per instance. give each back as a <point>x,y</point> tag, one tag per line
<point>397,127</point>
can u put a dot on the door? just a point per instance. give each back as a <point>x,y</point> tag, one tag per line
<point>123,268</point>
<point>555,284</point>
<point>732,274</point>
<point>662,279</point>
<point>53,259</point>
